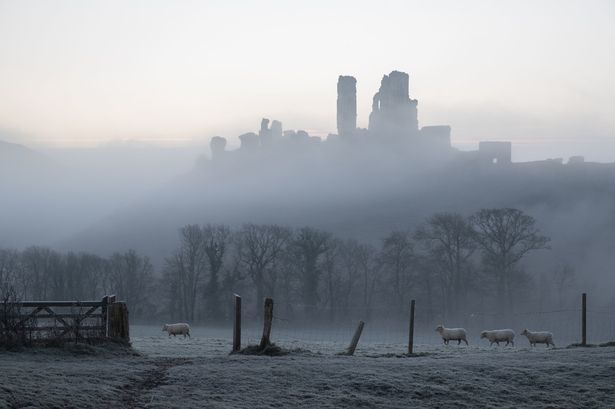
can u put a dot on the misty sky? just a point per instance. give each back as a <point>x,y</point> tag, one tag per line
<point>77,73</point>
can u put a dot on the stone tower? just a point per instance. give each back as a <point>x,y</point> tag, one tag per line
<point>346,105</point>
<point>393,112</point>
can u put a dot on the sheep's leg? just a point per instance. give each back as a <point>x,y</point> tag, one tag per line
<point>497,342</point>
<point>458,342</point>
<point>466,341</point>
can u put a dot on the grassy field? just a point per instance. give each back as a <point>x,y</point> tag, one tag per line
<point>163,372</point>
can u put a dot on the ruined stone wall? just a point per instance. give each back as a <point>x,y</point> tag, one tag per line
<point>495,152</point>
<point>394,114</point>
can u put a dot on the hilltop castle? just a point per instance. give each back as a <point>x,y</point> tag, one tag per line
<point>393,122</point>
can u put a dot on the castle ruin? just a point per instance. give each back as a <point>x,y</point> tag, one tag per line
<point>393,119</point>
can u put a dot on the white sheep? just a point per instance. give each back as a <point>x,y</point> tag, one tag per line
<point>499,335</point>
<point>538,337</point>
<point>455,334</point>
<point>177,329</point>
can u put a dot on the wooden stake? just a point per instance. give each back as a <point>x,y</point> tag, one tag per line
<point>355,339</point>
<point>105,316</point>
<point>411,329</point>
<point>237,326</point>
<point>265,340</point>
<point>584,319</point>
<point>118,322</point>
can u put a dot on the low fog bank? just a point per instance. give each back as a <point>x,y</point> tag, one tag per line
<point>117,198</point>
<point>50,194</point>
<point>366,192</point>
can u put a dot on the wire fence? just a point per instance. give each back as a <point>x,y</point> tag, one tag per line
<point>382,336</point>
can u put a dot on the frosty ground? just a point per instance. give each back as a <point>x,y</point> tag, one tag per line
<point>198,372</point>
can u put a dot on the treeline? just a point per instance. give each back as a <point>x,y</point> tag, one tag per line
<point>42,274</point>
<point>450,264</point>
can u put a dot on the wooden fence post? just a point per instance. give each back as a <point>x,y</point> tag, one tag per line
<point>237,326</point>
<point>355,339</point>
<point>411,329</point>
<point>118,322</point>
<point>105,316</point>
<point>265,340</point>
<point>584,319</point>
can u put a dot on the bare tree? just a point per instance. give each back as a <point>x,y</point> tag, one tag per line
<point>449,243</point>
<point>130,279</point>
<point>505,236</point>
<point>187,267</point>
<point>259,248</point>
<point>38,264</point>
<point>215,241</point>
<point>308,246</point>
<point>350,273</point>
<point>563,278</point>
<point>358,278</point>
<point>370,267</point>
<point>333,286</point>
<point>10,268</point>
<point>397,259</point>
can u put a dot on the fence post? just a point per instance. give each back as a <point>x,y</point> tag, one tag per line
<point>237,325</point>
<point>411,329</point>
<point>584,319</point>
<point>265,341</point>
<point>355,339</point>
<point>105,316</point>
<point>118,322</point>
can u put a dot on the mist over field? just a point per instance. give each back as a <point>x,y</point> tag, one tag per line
<point>137,195</point>
<point>264,204</point>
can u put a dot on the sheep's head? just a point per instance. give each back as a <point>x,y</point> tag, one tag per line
<point>525,332</point>
<point>165,327</point>
<point>483,334</point>
<point>440,328</point>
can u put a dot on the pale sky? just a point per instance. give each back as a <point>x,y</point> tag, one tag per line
<point>83,72</point>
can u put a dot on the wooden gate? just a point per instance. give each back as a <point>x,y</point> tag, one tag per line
<point>79,321</point>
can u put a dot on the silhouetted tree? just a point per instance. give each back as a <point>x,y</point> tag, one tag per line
<point>130,278</point>
<point>215,241</point>
<point>38,264</point>
<point>187,267</point>
<point>308,246</point>
<point>563,278</point>
<point>505,236</point>
<point>259,248</point>
<point>348,279</point>
<point>449,243</point>
<point>397,258</point>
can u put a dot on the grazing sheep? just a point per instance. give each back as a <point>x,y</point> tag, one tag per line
<point>177,329</point>
<point>499,335</point>
<point>455,334</point>
<point>538,337</point>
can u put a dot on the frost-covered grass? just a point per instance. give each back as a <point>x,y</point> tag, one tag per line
<point>198,372</point>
